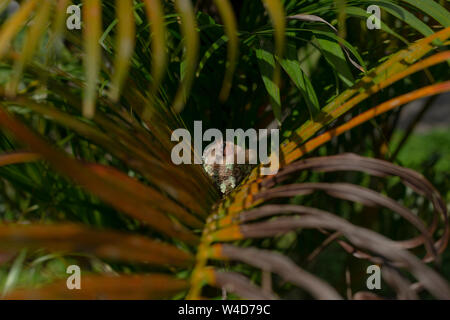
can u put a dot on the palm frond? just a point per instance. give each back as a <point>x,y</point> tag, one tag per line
<point>85,148</point>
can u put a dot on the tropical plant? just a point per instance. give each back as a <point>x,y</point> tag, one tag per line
<point>86,175</point>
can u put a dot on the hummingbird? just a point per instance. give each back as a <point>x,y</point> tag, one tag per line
<point>220,161</point>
